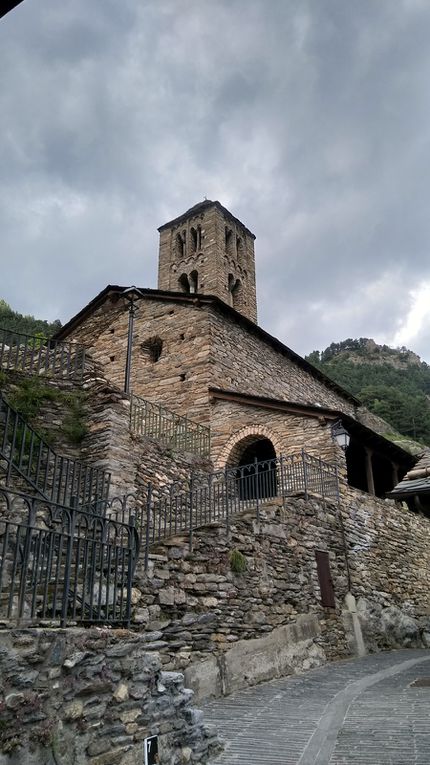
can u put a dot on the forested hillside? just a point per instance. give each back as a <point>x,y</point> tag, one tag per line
<point>392,383</point>
<point>28,325</point>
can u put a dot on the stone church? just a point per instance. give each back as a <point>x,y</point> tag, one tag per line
<point>194,346</point>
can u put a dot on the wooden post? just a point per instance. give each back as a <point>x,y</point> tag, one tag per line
<point>369,471</point>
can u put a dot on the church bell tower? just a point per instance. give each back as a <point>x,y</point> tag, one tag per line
<point>209,251</point>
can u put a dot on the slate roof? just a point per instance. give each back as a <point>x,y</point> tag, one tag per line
<point>200,207</point>
<point>416,481</point>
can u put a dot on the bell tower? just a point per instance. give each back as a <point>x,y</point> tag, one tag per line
<point>209,251</point>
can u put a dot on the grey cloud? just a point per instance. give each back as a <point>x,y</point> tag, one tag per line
<point>309,119</point>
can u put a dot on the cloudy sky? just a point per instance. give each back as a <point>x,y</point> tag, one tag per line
<point>308,119</point>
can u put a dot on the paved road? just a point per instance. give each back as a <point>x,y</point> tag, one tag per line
<point>356,712</point>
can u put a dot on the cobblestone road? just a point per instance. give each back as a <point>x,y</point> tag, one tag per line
<point>356,712</point>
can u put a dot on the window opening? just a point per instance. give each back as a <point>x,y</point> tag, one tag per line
<point>184,284</point>
<point>152,348</point>
<point>194,277</point>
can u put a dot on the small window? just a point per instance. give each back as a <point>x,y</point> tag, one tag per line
<point>152,348</point>
<point>182,377</point>
<point>112,358</point>
<point>183,283</point>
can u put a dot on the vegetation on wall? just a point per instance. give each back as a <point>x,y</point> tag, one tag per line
<point>392,382</point>
<point>28,325</point>
<point>28,395</point>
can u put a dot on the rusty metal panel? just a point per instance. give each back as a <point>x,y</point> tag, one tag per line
<point>325,580</point>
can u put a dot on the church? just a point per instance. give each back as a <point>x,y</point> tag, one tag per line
<point>194,347</point>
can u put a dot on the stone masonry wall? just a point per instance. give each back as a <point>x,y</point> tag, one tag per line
<point>180,378</point>
<point>213,621</point>
<point>215,260</point>
<point>132,460</point>
<point>389,558</point>
<point>232,422</point>
<point>91,696</point>
<point>197,606</point>
<point>244,362</point>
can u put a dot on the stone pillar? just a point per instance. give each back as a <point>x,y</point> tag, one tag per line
<point>369,471</point>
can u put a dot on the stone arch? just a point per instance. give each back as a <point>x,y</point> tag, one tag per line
<point>231,452</point>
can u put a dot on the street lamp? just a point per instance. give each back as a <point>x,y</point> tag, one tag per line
<point>130,294</point>
<point>340,435</point>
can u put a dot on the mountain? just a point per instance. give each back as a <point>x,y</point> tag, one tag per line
<point>27,325</point>
<point>393,383</point>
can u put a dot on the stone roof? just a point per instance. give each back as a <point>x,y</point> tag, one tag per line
<point>201,207</point>
<point>416,481</point>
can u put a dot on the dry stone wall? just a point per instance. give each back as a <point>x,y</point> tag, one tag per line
<point>91,696</point>
<point>211,617</point>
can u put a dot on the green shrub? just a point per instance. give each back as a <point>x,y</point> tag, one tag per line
<point>238,563</point>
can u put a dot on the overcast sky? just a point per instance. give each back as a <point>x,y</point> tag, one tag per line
<point>308,119</point>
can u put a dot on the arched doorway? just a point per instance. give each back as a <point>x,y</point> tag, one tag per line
<point>256,474</point>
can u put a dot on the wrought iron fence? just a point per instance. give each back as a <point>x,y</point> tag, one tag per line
<point>23,452</point>
<point>39,355</point>
<point>63,565</point>
<point>216,497</point>
<point>171,429</point>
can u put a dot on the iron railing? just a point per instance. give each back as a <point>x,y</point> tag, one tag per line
<point>63,565</point>
<point>24,453</point>
<point>155,421</point>
<point>217,497</point>
<point>39,355</point>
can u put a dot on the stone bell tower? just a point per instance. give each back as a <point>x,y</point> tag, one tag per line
<point>209,251</point>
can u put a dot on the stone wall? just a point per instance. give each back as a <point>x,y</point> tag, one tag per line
<point>198,605</point>
<point>201,346</point>
<point>225,250</point>
<point>228,626</point>
<point>77,696</point>
<point>232,423</point>
<point>389,558</point>
<point>179,379</point>
<point>245,362</point>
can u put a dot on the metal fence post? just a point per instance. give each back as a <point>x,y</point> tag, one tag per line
<point>130,570</point>
<point>282,476</point>
<point>191,513</point>
<point>305,474</point>
<point>68,564</point>
<point>257,488</point>
<point>227,509</point>
<point>148,521</point>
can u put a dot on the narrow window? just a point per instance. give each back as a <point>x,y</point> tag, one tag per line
<point>183,283</point>
<point>325,580</point>
<point>228,240</point>
<point>194,239</point>
<point>235,290</point>
<point>239,247</point>
<point>194,278</point>
<point>152,348</point>
<point>180,244</point>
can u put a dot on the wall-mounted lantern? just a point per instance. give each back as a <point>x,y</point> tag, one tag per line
<point>340,435</point>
